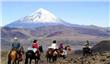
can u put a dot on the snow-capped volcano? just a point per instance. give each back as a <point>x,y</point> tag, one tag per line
<point>41,16</point>
<point>38,18</point>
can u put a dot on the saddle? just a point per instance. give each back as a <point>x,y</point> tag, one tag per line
<point>33,49</point>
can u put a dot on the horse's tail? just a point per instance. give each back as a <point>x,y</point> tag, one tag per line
<point>9,58</point>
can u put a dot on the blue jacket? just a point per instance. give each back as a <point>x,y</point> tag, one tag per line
<point>16,45</point>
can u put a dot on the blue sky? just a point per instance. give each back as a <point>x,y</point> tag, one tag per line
<point>76,12</point>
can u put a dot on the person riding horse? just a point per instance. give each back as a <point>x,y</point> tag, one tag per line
<point>16,52</point>
<point>87,49</point>
<point>54,45</point>
<point>61,46</point>
<point>33,53</point>
<point>51,52</point>
<point>35,46</point>
<point>16,44</point>
<point>54,52</point>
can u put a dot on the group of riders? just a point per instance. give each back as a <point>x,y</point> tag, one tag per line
<point>16,45</point>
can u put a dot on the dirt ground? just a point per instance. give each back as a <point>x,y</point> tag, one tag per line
<point>103,58</point>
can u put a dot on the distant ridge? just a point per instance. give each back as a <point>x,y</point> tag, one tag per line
<point>102,46</point>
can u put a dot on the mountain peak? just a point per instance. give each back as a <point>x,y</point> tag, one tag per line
<point>43,16</point>
<point>42,10</point>
<point>38,18</point>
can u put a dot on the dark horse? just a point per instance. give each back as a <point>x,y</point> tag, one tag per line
<point>61,53</point>
<point>87,51</point>
<point>31,55</point>
<point>52,55</point>
<point>14,57</point>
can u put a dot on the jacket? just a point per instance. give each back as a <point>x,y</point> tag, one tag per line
<point>16,45</point>
<point>35,45</point>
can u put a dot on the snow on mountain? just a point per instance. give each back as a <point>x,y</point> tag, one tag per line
<point>38,18</point>
<point>41,16</point>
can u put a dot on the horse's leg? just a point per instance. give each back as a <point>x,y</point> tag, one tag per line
<point>30,60</point>
<point>83,53</point>
<point>13,62</point>
<point>53,59</point>
<point>18,61</point>
<point>47,59</point>
<point>26,60</point>
<point>9,60</point>
<point>91,53</point>
<point>50,59</point>
<point>36,61</point>
<point>64,56</point>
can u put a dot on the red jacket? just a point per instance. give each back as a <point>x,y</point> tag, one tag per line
<point>35,45</point>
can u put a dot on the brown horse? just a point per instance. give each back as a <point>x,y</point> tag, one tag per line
<point>15,56</point>
<point>49,54</point>
<point>12,57</point>
<point>68,49</point>
<point>61,53</point>
<point>53,54</point>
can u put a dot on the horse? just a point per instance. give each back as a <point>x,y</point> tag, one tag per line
<point>68,48</point>
<point>49,54</point>
<point>62,53</point>
<point>30,54</point>
<point>12,57</point>
<point>55,55</point>
<point>15,56</point>
<point>87,51</point>
<point>20,54</point>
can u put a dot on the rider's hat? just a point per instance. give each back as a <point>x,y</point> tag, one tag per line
<point>34,41</point>
<point>15,38</point>
<point>54,41</point>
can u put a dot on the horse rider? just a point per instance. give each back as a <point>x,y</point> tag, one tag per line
<point>35,47</point>
<point>87,44</point>
<point>16,44</point>
<point>64,51</point>
<point>87,48</point>
<point>61,46</point>
<point>54,45</point>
